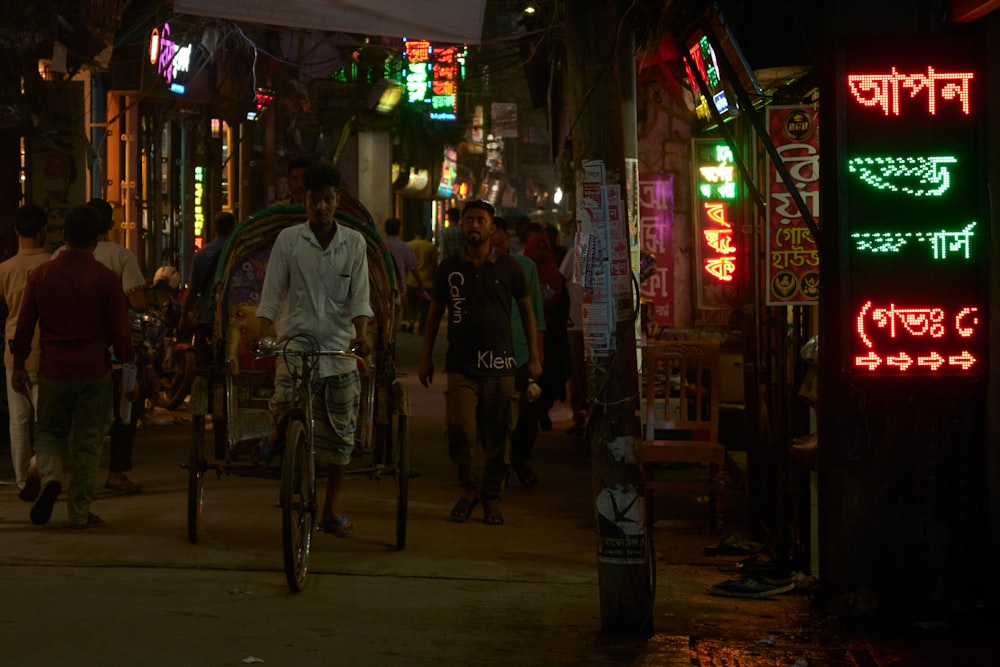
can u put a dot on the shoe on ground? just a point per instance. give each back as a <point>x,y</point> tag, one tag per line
<point>752,587</point>
<point>41,511</point>
<point>124,485</point>
<point>338,526</point>
<point>491,512</point>
<point>92,521</point>
<point>32,487</point>
<point>463,509</point>
<point>525,475</point>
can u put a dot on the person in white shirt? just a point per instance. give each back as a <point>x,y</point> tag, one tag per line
<point>316,283</point>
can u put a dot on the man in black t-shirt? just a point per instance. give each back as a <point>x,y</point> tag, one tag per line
<point>477,287</point>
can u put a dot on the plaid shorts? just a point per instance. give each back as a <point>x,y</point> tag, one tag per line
<point>335,411</point>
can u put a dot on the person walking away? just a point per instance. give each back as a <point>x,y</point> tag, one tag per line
<point>452,239</point>
<point>478,286</point>
<point>77,305</point>
<point>556,370</point>
<point>522,439</point>
<point>402,257</point>
<point>418,284</point>
<point>29,224</point>
<point>124,264</point>
<point>198,314</point>
<point>316,284</point>
<point>574,335</point>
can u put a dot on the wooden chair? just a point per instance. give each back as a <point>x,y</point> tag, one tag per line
<point>681,421</point>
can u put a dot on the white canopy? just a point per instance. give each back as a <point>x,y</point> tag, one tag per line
<point>444,21</point>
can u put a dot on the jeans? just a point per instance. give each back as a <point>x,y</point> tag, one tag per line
<point>77,409</point>
<point>22,416</point>
<point>486,408</point>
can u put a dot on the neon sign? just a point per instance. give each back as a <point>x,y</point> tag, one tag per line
<point>716,244</point>
<point>169,58</point>
<point>917,259</point>
<point>921,338</point>
<point>885,90</point>
<point>199,202</point>
<point>932,178</point>
<point>432,75</point>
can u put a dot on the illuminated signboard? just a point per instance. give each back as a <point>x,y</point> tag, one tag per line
<point>918,241</point>
<point>169,58</point>
<point>792,254</point>
<point>449,172</point>
<point>199,205</point>
<point>703,55</point>
<point>715,205</point>
<point>432,76</point>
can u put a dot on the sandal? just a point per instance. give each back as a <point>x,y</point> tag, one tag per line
<point>491,512</point>
<point>92,521</point>
<point>338,526</point>
<point>463,509</point>
<point>124,486</point>
<point>526,476</point>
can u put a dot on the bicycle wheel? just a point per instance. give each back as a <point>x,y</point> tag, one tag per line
<point>196,476</point>
<point>298,503</point>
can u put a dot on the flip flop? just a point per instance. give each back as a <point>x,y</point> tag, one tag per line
<point>41,511</point>
<point>92,521</point>
<point>463,509</point>
<point>337,526</point>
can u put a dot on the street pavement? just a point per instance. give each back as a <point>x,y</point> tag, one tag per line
<point>137,592</point>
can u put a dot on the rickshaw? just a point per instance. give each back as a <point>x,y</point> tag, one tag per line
<point>236,383</point>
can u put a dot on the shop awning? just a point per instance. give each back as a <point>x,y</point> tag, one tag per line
<point>448,21</point>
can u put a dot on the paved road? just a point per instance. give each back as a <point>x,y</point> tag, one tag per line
<point>136,592</point>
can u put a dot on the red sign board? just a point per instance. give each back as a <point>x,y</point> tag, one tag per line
<point>792,254</point>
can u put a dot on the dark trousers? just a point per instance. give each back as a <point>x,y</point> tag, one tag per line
<point>522,440</point>
<point>123,435</point>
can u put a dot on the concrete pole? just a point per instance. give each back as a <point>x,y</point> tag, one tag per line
<point>613,429</point>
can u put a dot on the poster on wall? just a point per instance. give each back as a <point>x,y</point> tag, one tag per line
<point>792,253</point>
<point>656,229</point>
<point>917,238</point>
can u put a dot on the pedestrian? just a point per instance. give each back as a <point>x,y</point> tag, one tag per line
<point>478,286</point>
<point>296,190</point>
<point>452,239</point>
<point>316,284</point>
<point>525,433</point>
<point>556,370</point>
<point>77,305</point>
<point>418,284</point>
<point>402,257</point>
<point>29,225</point>
<point>124,264</point>
<point>578,397</point>
<point>198,315</point>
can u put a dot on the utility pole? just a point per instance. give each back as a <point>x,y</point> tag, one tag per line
<point>614,433</point>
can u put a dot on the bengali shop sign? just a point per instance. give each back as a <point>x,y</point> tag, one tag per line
<point>792,254</point>
<point>656,226</point>
<point>916,231</point>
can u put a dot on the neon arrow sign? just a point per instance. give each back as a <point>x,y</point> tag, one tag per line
<point>924,339</point>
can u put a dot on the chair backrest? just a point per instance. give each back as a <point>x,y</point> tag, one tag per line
<point>681,385</point>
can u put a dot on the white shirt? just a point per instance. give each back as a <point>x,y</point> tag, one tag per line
<point>317,291</point>
<point>119,259</point>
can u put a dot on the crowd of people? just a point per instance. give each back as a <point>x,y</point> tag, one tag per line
<point>504,290</point>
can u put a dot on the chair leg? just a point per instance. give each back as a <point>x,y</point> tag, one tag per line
<point>716,497</point>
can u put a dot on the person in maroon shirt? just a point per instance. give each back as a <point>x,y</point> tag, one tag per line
<point>77,304</point>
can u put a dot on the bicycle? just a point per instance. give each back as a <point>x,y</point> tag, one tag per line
<point>297,493</point>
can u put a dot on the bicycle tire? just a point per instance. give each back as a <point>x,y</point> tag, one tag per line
<point>402,467</point>
<point>196,477</point>
<point>298,503</point>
